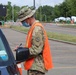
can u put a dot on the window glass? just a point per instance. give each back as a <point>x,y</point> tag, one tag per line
<point>3,53</point>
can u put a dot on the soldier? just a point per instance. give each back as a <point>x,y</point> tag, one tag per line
<point>40,60</point>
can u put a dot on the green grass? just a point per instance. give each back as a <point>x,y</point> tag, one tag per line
<point>69,26</point>
<point>53,35</point>
<point>20,28</point>
<point>63,37</point>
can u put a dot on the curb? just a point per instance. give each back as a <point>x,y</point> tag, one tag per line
<point>72,43</point>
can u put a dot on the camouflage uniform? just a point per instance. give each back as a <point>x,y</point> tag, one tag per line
<point>37,47</point>
<point>34,72</point>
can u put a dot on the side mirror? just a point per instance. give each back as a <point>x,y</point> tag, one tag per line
<point>22,54</point>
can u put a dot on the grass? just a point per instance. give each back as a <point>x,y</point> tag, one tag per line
<point>69,26</point>
<point>20,28</point>
<point>53,35</point>
<point>63,37</point>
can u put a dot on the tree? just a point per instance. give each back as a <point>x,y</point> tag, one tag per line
<point>71,7</point>
<point>12,12</point>
<point>56,11</point>
<point>44,13</point>
<point>9,11</point>
<point>16,10</point>
<point>63,9</point>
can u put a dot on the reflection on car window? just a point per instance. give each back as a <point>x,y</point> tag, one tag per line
<point>3,53</point>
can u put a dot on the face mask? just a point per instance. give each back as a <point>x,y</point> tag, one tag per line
<point>25,24</point>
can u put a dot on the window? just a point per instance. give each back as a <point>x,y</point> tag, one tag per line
<point>3,53</point>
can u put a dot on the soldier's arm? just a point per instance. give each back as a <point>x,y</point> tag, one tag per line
<point>37,41</point>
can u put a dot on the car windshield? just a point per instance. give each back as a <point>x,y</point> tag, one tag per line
<point>3,53</point>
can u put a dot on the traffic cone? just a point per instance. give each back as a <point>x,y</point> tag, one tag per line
<point>19,68</point>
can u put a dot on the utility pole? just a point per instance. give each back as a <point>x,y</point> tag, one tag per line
<point>34,4</point>
<point>40,10</point>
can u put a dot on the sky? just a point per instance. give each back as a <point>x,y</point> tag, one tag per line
<point>30,2</point>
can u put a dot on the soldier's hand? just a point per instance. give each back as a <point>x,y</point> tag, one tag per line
<point>17,47</point>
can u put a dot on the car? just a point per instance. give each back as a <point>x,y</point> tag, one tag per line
<point>8,64</point>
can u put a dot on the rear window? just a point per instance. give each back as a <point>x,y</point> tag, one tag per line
<point>3,53</point>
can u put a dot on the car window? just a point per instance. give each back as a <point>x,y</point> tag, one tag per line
<point>3,53</point>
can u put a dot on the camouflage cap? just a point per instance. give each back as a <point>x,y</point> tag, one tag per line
<point>25,13</point>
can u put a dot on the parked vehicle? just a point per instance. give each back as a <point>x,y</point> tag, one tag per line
<point>8,64</point>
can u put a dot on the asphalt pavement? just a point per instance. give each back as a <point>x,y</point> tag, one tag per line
<point>64,55</point>
<point>58,29</point>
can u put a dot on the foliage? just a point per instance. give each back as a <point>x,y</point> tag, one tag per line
<point>44,13</point>
<point>12,12</point>
<point>72,4</point>
<point>65,9</point>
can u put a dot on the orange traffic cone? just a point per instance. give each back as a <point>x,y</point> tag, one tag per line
<point>19,68</point>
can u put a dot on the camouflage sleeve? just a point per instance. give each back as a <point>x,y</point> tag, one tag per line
<point>37,41</point>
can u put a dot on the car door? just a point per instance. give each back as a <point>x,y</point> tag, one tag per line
<point>7,61</point>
